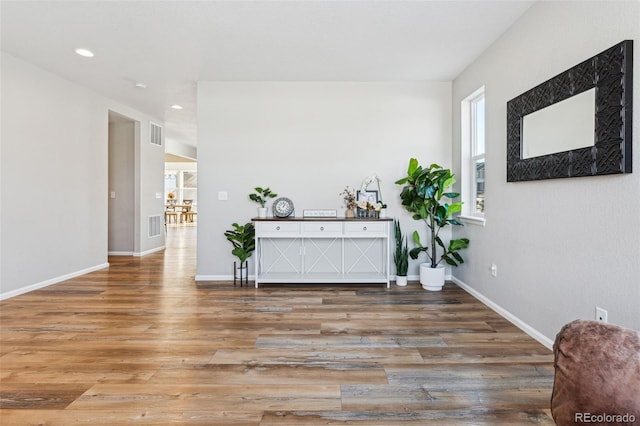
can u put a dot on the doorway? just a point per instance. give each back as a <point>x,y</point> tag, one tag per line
<point>122,213</point>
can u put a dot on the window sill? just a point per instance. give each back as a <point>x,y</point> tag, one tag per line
<point>473,220</point>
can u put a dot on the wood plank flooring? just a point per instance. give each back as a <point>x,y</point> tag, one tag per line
<point>142,342</point>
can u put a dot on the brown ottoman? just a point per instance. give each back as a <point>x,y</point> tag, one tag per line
<point>597,375</point>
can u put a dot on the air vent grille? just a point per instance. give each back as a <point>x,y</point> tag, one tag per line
<point>155,134</point>
<point>155,226</point>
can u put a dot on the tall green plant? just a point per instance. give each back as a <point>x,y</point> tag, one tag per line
<point>401,255</point>
<point>424,195</point>
<point>262,195</point>
<point>243,239</point>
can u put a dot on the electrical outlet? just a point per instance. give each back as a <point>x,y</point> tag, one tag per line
<point>494,270</point>
<point>601,314</point>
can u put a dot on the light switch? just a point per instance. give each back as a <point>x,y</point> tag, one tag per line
<point>113,194</point>
<point>223,196</point>
<point>158,195</point>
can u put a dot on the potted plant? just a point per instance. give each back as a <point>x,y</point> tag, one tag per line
<point>261,196</point>
<point>242,237</point>
<point>401,255</point>
<point>424,195</point>
<point>350,202</point>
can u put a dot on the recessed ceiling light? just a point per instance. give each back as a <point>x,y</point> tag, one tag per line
<point>141,85</point>
<point>84,52</point>
<point>176,106</point>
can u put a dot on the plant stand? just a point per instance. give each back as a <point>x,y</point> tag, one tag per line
<point>241,268</point>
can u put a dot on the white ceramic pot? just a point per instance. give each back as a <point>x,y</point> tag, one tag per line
<point>241,272</point>
<point>432,279</point>
<point>383,213</point>
<point>401,281</point>
<point>262,212</point>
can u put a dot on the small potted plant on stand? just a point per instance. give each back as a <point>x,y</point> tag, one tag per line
<point>261,196</point>
<point>401,256</point>
<point>423,195</point>
<point>242,237</point>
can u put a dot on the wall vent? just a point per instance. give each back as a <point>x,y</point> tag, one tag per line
<point>155,134</point>
<point>155,226</point>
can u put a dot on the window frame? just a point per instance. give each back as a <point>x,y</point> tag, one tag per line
<point>470,155</point>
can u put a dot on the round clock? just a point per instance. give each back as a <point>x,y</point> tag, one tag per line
<point>282,207</point>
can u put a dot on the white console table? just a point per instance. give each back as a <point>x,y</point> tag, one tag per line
<point>296,250</point>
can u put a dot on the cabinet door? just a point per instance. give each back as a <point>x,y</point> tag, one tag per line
<point>364,255</point>
<point>281,255</point>
<point>323,255</point>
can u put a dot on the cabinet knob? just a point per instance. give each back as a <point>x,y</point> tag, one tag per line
<point>277,228</point>
<point>364,228</point>
<point>322,228</point>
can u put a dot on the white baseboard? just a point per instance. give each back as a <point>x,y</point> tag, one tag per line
<point>51,281</point>
<point>544,340</point>
<point>251,277</point>
<point>219,277</point>
<point>120,253</point>
<point>144,253</point>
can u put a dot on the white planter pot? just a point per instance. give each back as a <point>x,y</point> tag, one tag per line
<point>383,213</point>
<point>401,281</point>
<point>262,212</point>
<point>241,273</point>
<point>431,278</point>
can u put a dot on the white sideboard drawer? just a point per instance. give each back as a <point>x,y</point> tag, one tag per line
<point>365,228</point>
<point>277,227</point>
<point>322,228</point>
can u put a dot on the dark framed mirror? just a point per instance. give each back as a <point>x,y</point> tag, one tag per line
<point>577,123</point>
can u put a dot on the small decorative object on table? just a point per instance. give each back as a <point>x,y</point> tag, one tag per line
<point>350,202</point>
<point>283,207</point>
<point>382,211</point>
<point>368,205</point>
<point>261,196</point>
<point>319,213</point>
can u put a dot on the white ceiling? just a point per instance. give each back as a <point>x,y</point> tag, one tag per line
<point>170,45</point>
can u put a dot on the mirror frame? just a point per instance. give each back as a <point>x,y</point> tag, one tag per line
<point>611,73</point>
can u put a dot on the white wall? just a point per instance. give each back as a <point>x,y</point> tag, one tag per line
<point>307,141</point>
<point>562,246</point>
<point>54,156</point>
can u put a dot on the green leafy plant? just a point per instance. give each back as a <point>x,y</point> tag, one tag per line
<point>262,195</point>
<point>423,195</point>
<point>401,255</point>
<point>243,239</point>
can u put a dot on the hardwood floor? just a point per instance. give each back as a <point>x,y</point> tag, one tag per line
<point>142,342</point>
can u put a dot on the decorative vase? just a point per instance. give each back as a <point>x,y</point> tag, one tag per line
<point>401,280</point>
<point>432,279</point>
<point>262,212</point>
<point>383,213</point>
<point>349,213</point>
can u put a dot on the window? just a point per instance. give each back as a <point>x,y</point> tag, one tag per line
<point>473,154</point>
<point>182,184</point>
